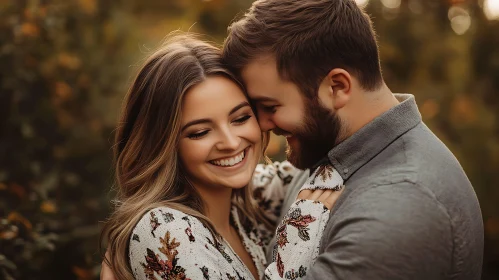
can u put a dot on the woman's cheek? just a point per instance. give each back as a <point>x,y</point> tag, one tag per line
<point>255,131</point>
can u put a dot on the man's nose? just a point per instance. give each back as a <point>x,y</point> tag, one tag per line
<point>266,124</point>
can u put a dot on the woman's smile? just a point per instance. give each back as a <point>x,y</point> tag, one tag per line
<point>233,162</point>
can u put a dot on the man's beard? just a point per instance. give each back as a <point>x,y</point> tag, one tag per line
<point>318,135</point>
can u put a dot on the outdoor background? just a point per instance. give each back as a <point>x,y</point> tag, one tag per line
<point>66,64</point>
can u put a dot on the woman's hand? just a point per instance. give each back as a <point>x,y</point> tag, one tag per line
<point>106,273</point>
<point>327,197</point>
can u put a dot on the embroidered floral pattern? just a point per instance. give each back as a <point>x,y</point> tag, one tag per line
<point>167,217</point>
<point>204,270</point>
<point>185,218</point>
<point>188,231</point>
<point>297,220</point>
<point>292,274</point>
<point>270,183</point>
<point>153,220</point>
<point>324,171</point>
<point>220,248</point>
<point>285,173</point>
<point>136,237</point>
<point>280,265</point>
<point>302,226</point>
<point>184,248</point>
<point>168,244</point>
<point>166,269</point>
<point>324,177</point>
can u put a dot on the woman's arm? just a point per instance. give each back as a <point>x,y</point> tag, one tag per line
<point>298,238</point>
<point>300,232</point>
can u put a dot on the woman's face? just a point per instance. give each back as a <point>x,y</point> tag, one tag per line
<point>220,140</point>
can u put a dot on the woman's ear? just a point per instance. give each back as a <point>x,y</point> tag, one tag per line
<point>335,89</point>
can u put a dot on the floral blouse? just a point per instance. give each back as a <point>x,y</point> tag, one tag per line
<point>169,244</point>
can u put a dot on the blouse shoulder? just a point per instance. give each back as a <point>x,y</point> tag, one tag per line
<point>281,172</point>
<point>166,241</point>
<point>165,218</point>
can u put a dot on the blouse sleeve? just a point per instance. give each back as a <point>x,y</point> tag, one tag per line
<point>300,232</point>
<point>270,183</point>
<point>297,240</point>
<point>172,245</point>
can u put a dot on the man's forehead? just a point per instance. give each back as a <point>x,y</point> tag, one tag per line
<point>260,77</point>
<point>255,66</point>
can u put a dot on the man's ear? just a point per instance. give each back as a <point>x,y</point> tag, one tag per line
<point>335,89</point>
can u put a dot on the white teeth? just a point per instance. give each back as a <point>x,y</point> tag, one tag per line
<point>231,161</point>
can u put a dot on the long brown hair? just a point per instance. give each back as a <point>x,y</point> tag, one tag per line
<point>148,171</point>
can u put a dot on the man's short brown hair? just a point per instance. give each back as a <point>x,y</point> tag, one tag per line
<point>308,38</point>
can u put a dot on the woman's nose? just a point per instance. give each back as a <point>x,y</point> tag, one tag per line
<point>229,140</point>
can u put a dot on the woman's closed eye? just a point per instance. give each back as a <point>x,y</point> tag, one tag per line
<point>201,133</point>
<point>197,135</point>
<point>242,119</point>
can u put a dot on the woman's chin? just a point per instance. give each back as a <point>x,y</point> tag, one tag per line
<point>239,181</point>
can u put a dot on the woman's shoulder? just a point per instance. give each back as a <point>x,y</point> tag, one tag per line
<point>171,243</point>
<point>159,220</point>
<point>265,173</point>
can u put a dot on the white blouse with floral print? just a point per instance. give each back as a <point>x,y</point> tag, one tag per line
<point>169,244</point>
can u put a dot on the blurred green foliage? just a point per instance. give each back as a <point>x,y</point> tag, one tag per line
<point>61,64</point>
<point>65,66</point>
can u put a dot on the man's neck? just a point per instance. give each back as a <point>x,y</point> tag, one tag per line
<point>369,106</point>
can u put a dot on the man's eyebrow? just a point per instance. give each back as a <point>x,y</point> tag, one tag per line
<point>235,109</point>
<point>263,99</point>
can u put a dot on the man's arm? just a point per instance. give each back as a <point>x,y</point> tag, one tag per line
<point>395,231</point>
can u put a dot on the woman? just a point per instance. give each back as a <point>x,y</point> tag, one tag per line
<point>186,150</point>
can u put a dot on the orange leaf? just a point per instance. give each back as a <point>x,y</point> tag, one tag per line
<point>69,61</point>
<point>29,29</point>
<point>48,207</point>
<point>8,234</point>
<point>17,217</point>
<point>63,90</point>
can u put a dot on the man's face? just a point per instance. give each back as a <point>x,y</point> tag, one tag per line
<point>311,130</point>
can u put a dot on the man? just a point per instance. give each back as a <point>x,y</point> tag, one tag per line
<point>408,210</point>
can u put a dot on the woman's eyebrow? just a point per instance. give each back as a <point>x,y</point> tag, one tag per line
<point>195,122</point>
<point>241,105</point>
